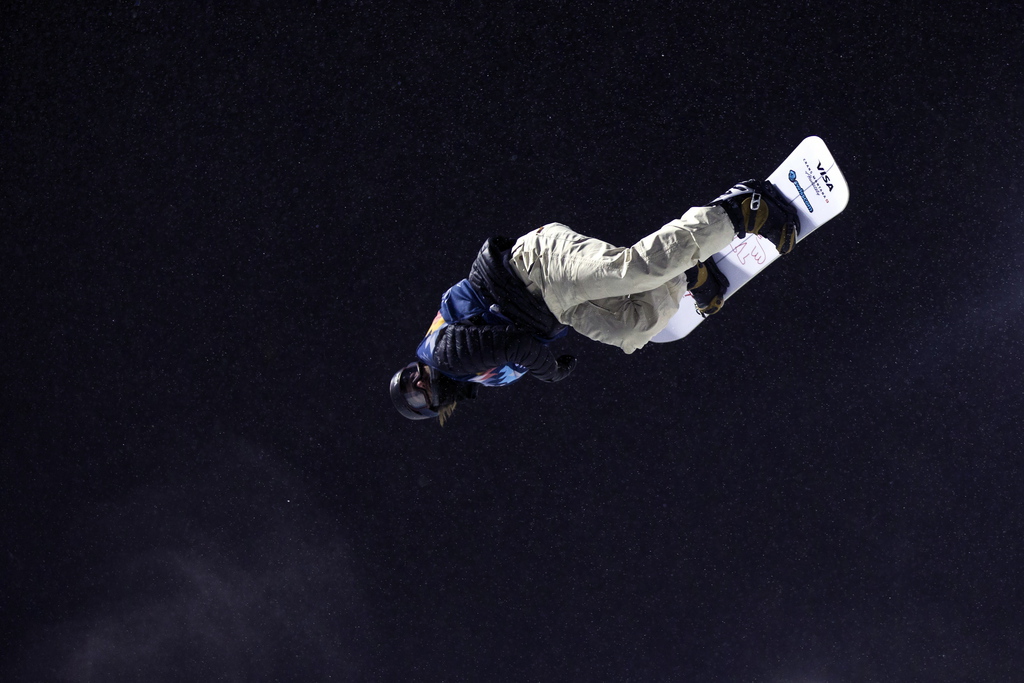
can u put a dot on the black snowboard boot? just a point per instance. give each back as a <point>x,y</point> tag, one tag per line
<point>757,206</point>
<point>707,284</point>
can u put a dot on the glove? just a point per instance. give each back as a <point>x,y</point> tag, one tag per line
<point>566,364</point>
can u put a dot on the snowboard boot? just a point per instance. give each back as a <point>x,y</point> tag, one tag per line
<point>756,206</point>
<point>707,284</point>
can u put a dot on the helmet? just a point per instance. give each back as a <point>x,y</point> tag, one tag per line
<point>412,402</point>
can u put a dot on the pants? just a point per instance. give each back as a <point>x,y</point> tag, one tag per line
<point>621,296</point>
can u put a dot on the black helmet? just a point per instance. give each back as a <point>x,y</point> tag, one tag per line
<point>412,401</point>
<point>436,397</point>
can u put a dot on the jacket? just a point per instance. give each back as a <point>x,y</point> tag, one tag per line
<point>490,329</point>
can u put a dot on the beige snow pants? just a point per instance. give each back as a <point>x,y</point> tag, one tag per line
<point>621,296</point>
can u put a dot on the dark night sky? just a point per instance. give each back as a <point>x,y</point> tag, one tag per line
<point>227,224</point>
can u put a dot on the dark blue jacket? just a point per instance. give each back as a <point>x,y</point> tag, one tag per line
<point>490,329</point>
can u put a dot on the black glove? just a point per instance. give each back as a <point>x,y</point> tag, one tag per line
<point>566,364</point>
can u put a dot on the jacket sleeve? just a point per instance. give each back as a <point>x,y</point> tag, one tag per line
<point>463,349</point>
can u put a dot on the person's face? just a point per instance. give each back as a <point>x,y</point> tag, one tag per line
<point>420,381</point>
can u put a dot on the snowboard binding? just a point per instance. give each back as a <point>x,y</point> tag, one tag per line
<point>707,284</point>
<point>757,206</point>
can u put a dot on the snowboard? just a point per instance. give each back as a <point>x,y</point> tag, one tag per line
<point>813,184</point>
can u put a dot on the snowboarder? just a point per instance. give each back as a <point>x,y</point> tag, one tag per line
<point>520,296</point>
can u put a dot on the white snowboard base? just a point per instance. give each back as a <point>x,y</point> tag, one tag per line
<point>812,182</point>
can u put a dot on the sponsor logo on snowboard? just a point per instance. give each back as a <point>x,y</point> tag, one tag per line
<point>803,196</point>
<point>824,176</point>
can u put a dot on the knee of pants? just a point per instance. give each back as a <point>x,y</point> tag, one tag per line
<point>615,316</point>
